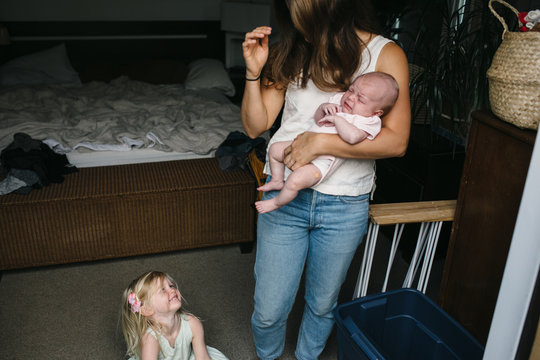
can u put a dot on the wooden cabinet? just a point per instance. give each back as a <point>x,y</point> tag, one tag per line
<point>494,173</point>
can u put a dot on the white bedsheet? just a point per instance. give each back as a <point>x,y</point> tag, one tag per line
<point>84,159</point>
<point>118,117</point>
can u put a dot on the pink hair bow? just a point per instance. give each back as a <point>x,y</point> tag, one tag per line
<point>134,302</point>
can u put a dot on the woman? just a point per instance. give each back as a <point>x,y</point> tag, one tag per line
<point>323,45</point>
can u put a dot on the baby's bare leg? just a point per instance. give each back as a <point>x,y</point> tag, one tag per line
<point>302,178</point>
<point>277,168</point>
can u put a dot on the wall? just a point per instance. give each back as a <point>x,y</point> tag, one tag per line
<point>520,273</point>
<point>106,10</point>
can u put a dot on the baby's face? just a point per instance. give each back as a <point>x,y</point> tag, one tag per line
<point>363,97</point>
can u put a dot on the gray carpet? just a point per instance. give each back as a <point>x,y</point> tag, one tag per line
<point>71,311</point>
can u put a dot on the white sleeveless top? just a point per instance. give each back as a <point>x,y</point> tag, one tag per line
<point>182,349</point>
<point>354,176</point>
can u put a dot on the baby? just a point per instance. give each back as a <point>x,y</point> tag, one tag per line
<point>354,115</point>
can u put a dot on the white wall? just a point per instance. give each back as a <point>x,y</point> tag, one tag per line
<point>520,273</point>
<point>109,10</point>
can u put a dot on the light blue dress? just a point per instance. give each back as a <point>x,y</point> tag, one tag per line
<point>182,349</point>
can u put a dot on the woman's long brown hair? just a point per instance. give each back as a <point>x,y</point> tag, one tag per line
<point>318,41</point>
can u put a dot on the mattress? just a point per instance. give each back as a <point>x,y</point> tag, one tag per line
<point>110,158</point>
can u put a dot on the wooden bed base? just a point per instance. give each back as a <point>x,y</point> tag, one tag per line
<point>118,211</point>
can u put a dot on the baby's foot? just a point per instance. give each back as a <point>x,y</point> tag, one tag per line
<point>266,206</point>
<point>272,185</point>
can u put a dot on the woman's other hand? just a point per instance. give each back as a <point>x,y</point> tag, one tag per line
<point>255,50</point>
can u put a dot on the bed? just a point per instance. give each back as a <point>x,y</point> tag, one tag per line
<point>142,133</point>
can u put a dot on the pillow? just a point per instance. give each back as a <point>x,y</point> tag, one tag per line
<point>49,66</point>
<point>209,74</point>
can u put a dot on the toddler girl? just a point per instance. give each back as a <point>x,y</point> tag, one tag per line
<point>156,327</point>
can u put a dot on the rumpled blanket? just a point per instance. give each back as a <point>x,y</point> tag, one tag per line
<point>119,116</point>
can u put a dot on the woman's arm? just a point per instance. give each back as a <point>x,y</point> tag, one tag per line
<point>390,142</point>
<point>197,342</point>
<point>260,104</point>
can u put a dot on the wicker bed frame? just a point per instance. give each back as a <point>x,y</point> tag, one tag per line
<point>117,211</point>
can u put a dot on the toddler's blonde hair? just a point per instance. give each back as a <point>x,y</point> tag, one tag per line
<point>134,324</point>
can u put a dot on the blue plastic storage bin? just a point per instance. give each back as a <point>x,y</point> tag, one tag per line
<point>401,324</point>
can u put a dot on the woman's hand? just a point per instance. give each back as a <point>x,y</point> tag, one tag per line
<point>302,150</point>
<point>255,50</point>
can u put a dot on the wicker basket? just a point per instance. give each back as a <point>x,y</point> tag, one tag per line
<point>514,77</point>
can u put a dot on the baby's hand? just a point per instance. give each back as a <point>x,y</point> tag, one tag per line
<point>328,120</point>
<point>329,108</point>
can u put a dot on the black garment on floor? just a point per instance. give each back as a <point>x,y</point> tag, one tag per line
<point>233,151</point>
<point>30,154</point>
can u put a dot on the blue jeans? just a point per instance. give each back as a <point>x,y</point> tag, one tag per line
<point>317,232</point>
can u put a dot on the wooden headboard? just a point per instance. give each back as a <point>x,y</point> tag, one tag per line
<point>125,42</point>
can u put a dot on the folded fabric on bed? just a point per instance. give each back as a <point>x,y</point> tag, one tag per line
<point>165,117</point>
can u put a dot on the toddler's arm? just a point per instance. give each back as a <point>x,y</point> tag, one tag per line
<point>347,131</point>
<point>198,344</point>
<point>325,109</point>
<point>149,347</point>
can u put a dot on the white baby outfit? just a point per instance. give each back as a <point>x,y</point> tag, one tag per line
<point>327,164</point>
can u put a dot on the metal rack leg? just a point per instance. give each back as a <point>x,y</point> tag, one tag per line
<point>370,258</point>
<point>367,260</point>
<point>429,255</point>
<point>424,255</point>
<point>418,251</point>
<point>395,243</point>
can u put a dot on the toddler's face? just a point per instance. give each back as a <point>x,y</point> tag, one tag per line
<point>166,297</point>
<point>362,98</point>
